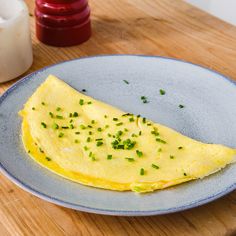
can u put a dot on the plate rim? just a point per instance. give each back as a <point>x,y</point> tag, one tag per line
<point>104,211</point>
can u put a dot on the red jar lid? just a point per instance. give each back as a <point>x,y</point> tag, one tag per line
<point>62,22</point>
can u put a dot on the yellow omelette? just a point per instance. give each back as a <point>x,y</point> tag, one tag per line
<point>96,144</point>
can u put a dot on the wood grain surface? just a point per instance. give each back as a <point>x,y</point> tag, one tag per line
<point>154,27</point>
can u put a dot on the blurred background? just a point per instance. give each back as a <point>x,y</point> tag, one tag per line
<point>224,9</point>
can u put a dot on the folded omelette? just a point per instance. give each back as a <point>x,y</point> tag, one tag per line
<point>95,144</point>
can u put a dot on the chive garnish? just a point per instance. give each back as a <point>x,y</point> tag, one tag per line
<point>51,114</point>
<point>59,117</point>
<point>71,121</point>
<point>41,150</point>
<point>144,120</point>
<point>139,153</point>
<point>109,157</point>
<point>48,158</point>
<point>115,119</point>
<point>126,130</point>
<point>161,140</point>
<point>58,109</point>
<point>43,103</point>
<point>88,139</point>
<point>181,106</point>
<point>107,126</point>
<point>81,102</point>
<point>86,148</point>
<point>159,150</point>
<point>89,103</point>
<point>70,115</point>
<point>99,129</point>
<point>127,82</point>
<point>149,124</point>
<point>155,166</point>
<point>65,127</point>
<point>162,92</point>
<point>134,135</point>
<point>55,126</point>
<point>93,121</point>
<point>84,90</point>
<point>129,159</point>
<point>119,124</point>
<point>185,174</point>
<point>109,135</point>
<point>99,143</point>
<point>44,125</point>
<point>61,135</point>
<point>105,116</point>
<point>33,108</point>
<point>90,126</point>
<point>99,139</point>
<point>28,151</point>
<point>144,99</point>
<point>180,148</point>
<point>72,126</point>
<point>131,119</point>
<point>140,133</point>
<point>75,114</point>
<point>142,171</point>
<point>82,126</point>
<point>77,132</point>
<point>172,157</point>
<point>76,141</point>
<point>90,132</point>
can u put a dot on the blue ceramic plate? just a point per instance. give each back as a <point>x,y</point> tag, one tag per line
<point>209,115</point>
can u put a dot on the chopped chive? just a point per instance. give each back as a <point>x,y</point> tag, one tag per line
<point>109,157</point>
<point>129,159</point>
<point>139,153</point>
<point>48,158</point>
<point>143,98</point>
<point>180,148</point>
<point>43,103</point>
<point>75,114</point>
<point>51,114</point>
<point>88,139</point>
<point>59,117</point>
<point>58,109</point>
<point>140,133</point>
<point>81,102</point>
<point>99,143</point>
<point>99,139</point>
<point>181,106</point>
<point>155,133</point>
<point>84,90</point>
<point>65,127</point>
<point>33,108</point>
<point>93,121</point>
<point>127,82</point>
<point>86,148</point>
<point>72,126</point>
<point>159,150</point>
<point>61,135</point>
<point>115,119</point>
<point>28,151</point>
<point>144,120</point>
<point>119,124</point>
<point>161,140</point>
<point>138,116</point>
<point>105,116</point>
<point>44,125</point>
<point>77,133</point>
<point>107,126</point>
<point>131,119</point>
<point>134,135</point>
<point>89,103</point>
<point>90,132</point>
<point>155,166</point>
<point>127,114</point>
<point>71,121</point>
<point>142,171</point>
<point>55,126</point>
<point>149,124</point>
<point>90,126</point>
<point>70,115</point>
<point>172,157</point>
<point>41,150</point>
<point>162,92</point>
<point>76,141</point>
<point>109,135</point>
<point>126,130</point>
<point>82,126</point>
<point>99,129</point>
<point>185,174</point>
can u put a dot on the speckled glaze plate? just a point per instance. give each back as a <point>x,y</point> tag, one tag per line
<point>209,115</point>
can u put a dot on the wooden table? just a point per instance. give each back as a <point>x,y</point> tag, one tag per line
<point>154,27</point>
